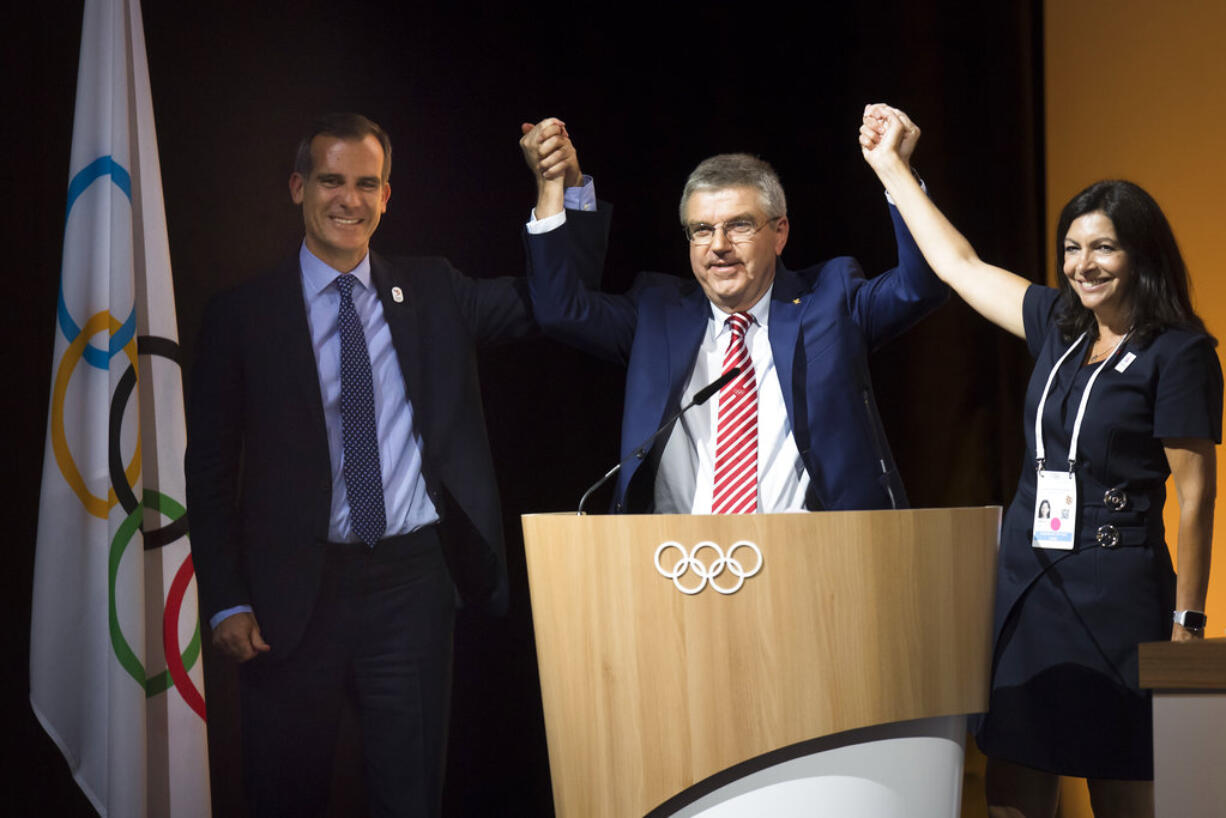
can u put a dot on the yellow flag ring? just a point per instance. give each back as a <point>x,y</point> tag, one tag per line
<point>97,506</point>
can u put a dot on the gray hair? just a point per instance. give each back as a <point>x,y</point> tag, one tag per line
<point>737,170</point>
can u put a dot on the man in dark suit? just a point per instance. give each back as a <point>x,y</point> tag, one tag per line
<point>799,427</point>
<point>341,485</point>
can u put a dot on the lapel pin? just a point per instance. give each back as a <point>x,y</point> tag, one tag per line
<point>795,300</point>
<point>397,294</point>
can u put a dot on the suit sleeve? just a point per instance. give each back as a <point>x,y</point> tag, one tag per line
<point>893,302</point>
<point>561,269</point>
<point>588,238</point>
<point>494,309</point>
<point>500,309</point>
<point>212,462</point>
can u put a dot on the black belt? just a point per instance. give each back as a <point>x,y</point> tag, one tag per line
<point>421,539</point>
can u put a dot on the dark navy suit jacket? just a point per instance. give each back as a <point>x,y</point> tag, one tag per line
<point>824,321</point>
<point>259,482</point>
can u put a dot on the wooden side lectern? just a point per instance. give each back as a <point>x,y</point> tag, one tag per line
<point>1189,684</point>
<point>851,619</point>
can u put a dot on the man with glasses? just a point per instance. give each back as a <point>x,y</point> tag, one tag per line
<point>798,428</point>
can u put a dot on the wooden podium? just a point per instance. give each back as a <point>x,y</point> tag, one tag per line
<point>853,619</point>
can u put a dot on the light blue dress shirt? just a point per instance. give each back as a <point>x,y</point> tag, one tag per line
<point>404,488</point>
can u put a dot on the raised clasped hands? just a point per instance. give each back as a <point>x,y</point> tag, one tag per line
<point>549,152</point>
<point>886,135</point>
<point>551,157</point>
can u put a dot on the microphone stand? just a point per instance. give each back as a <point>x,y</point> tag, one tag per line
<point>700,397</point>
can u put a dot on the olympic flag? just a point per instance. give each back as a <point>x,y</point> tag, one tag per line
<point>115,666</point>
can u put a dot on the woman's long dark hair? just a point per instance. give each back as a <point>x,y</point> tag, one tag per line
<point>1158,290</point>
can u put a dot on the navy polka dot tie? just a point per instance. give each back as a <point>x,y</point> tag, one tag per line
<point>363,473</point>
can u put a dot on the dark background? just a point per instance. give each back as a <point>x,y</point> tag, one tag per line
<point>646,94</point>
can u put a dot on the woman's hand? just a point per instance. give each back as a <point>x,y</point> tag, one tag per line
<point>1181,634</point>
<point>887,140</point>
<point>887,135</point>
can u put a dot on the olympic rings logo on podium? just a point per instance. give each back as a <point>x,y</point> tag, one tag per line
<point>692,562</point>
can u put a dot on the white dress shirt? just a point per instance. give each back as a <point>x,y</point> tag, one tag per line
<point>685,480</point>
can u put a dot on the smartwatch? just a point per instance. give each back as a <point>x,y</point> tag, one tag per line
<point>1192,620</point>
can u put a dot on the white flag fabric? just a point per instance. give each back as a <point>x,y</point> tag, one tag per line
<point>116,677</point>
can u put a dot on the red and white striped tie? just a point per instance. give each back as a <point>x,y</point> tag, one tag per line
<point>736,436</point>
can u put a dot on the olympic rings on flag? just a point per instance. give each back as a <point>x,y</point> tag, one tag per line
<point>177,664</point>
<point>97,506</point>
<point>690,561</point>
<point>120,337</point>
<point>123,488</point>
<point>97,357</point>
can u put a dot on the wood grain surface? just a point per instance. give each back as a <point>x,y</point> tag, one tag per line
<point>855,619</point>
<point>1196,665</point>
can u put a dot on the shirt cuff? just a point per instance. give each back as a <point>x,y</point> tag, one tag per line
<point>537,226</point>
<point>575,198</point>
<point>582,197</point>
<point>227,613</point>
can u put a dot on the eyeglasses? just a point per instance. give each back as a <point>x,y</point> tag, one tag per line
<point>737,231</point>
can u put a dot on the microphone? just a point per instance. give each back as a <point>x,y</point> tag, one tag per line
<point>700,397</point>
<point>703,395</point>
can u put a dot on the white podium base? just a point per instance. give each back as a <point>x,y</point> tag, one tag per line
<point>906,770</point>
<point>1189,754</point>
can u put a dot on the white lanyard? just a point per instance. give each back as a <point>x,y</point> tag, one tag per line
<point>1055,492</point>
<point>1039,449</point>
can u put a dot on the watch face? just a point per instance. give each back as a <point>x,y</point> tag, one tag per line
<point>1193,620</point>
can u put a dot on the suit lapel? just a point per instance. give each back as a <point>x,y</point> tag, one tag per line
<point>655,390</point>
<point>787,305</point>
<point>686,321</point>
<point>402,311</point>
<point>288,323</point>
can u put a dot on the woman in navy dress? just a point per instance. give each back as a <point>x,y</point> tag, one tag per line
<point>1084,573</point>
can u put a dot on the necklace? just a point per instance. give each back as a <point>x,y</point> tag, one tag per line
<point>1107,347</point>
<point>1095,357</point>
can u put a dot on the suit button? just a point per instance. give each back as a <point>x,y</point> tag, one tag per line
<point>1108,536</point>
<point>1115,499</point>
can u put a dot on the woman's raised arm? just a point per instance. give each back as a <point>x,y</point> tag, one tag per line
<point>994,293</point>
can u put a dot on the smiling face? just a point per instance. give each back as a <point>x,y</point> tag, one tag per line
<point>734,276</point>
<point>1098,269</point>
<point>343,198</point>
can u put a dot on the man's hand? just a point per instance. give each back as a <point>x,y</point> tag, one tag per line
<point>238,636</point>
<point>549,152</point>
<point>887,131</point>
